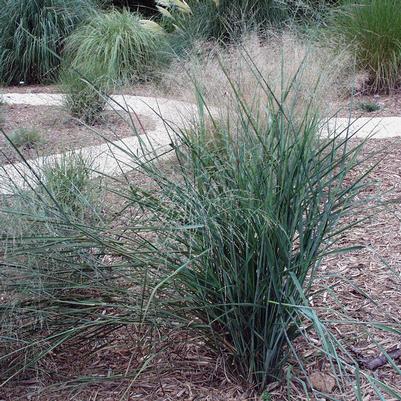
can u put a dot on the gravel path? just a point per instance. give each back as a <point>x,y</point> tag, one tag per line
<point>115,157</point>
<point>109,158</point>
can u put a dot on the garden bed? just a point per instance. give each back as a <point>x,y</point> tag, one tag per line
<point>364,284</point>
<point>59,132</point>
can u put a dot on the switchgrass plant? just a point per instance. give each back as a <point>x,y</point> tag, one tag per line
<point>228,245</point>
<point>325,75</point>
<point>373,30</point>
<point>32,34</point>
<point>61,193</point>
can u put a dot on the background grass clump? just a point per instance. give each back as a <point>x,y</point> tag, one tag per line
<point>118,46</point>
<point>372,29</point>
<point>85,95</point>
<point>32,34</point>
<point>113,49</point>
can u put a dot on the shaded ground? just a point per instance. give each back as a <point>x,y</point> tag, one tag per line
<point>60,132</point>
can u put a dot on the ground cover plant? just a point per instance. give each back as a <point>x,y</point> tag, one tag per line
<point>32,35</point>
<point>373,30</point>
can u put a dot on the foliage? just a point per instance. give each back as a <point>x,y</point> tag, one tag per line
<point>373,28</point>
<point>85,95</point>
<point>212,19</point>
<point>369,107</point>
<point>116,47</point>
<point>67,180</point>
<point>32,34</point>
<point>229,19</point>
<point>227,244</point>
<point>25,137</point>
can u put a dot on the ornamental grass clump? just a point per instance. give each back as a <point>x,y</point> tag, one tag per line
<point>119,46</point>
<point>32,33</point>
<point>241,234</point>
<point>373,30</point>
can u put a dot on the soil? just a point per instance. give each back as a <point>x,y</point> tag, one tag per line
<point>60,132</point>
<point>390,105</point>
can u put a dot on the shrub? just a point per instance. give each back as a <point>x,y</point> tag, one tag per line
<point>25,137</point>
<point>32,34</point>
<point>373,29</point>
<point>118,46</point>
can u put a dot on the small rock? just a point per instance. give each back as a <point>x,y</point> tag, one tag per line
<point>322,382</point>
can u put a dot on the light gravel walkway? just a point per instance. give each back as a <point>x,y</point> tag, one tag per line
<point>109,158</point>
<point>114,158</point>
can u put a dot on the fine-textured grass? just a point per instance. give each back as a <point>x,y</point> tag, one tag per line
<point>32,34</point>
<point>68,181</point>
<point>373,30</point>
<point>119,46</point>
<point>229,19</point>
<point>211,19</point>
<point>25,137</point>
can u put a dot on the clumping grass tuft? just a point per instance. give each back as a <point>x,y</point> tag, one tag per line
<point>68,181</point>
<point>369,107</point>
<point>32,34</point>
<point>84,99</point>
<point>25,137</point>
<point>373,30</point>
<point>119,46</point>
<point>324,75</point>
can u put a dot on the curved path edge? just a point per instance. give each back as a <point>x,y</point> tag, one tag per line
<point>115,157</point>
